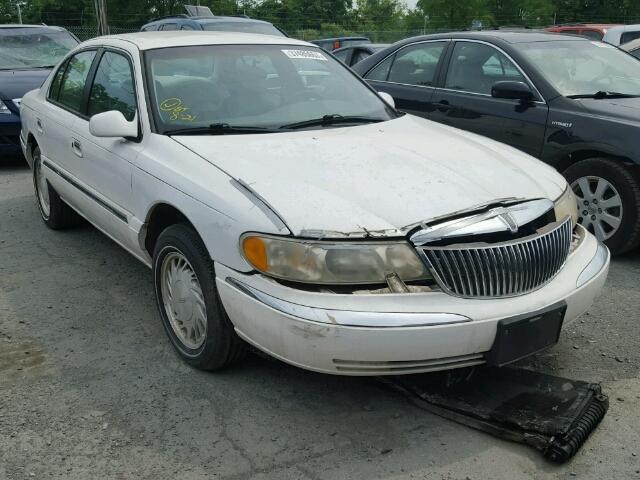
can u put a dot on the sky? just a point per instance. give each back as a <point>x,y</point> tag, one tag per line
<point>411,3</point>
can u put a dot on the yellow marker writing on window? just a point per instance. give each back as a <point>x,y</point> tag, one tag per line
<point>177,110</point>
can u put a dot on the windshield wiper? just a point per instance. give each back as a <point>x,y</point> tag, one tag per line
<point>218,129</point>
<point>602,94</point>
<point>327,120</point>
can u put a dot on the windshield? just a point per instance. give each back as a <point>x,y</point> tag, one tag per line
<point>23,48</point>
<point>584,68</point>
<point>268,86</point>
<point>245,27</point>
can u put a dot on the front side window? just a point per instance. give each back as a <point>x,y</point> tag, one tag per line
<point>635,53</point>
<point>475,67</point>
<point>267,86</point>
<point>112,87</point>
<point>629,36</point>
<point>74,80</point>
<point>417,64</point>
<point>581,67</point>
<point>27,48</point>
<point>170,26</point>
<point>359,55</point>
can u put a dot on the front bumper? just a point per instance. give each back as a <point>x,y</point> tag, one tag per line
<point>9,134</point>
<point>378,334</point>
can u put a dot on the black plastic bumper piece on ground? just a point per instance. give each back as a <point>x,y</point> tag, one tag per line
<point>552,414</point>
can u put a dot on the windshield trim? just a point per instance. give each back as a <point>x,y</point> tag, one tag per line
<point>149,90</point>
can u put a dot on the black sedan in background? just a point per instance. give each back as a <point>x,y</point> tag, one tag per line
<point>27,55</point>
<point>356,53</point>
<point>572,102</point>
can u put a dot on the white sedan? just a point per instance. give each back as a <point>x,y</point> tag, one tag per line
<point>281,202</point>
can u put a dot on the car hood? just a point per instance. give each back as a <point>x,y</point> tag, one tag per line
<point>621,108</point>
<point>375,178</point>
<point>15,83</point>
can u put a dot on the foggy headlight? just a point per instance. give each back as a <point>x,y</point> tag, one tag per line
<point>567,205</point>
<point>326,262</point>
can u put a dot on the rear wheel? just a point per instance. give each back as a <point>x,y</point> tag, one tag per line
<point>54,212</point>
<point>608,195</point>
<point>188,301</point>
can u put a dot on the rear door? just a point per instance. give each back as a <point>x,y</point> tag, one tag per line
<point>60,112</point>
<point>465,100</point>
<point>409,75</point>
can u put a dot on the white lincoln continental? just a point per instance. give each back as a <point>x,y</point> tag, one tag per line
<point>282,203</point>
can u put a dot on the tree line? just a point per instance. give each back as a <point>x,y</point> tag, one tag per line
<point>308,18</point>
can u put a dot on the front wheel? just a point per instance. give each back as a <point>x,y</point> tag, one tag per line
<point>186,295</point>
<point>608,195</point>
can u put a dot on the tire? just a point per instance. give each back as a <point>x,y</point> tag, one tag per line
<point>179,259</point>
<point>56,214</point>
<point>624,189</point>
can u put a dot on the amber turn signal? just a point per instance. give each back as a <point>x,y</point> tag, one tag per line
<point>255,252</point>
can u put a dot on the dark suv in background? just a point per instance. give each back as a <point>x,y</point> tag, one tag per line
<point>213,23</point>
<point>27,55</point>
<point>569,101</point>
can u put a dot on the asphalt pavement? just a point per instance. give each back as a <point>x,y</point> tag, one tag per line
<point>90,387</point>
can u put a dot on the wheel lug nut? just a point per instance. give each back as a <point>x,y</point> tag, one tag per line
<point>593,217</point>
<point>599,210</point>
<point>585,213</point>
<point>586,202</point>
<point>595,200</point>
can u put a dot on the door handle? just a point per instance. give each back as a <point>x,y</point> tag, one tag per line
<point>39,126</point>
<point>76,146</point>
<point>443,106</point>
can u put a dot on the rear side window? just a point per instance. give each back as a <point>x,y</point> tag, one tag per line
<point>54,89</point>
<point>591,34</point>
<point>113,87</point>
<point>74,80</point>
<point>170,26</point>
<point>636,53</point>
<point>416,65</point>
<point>381,71</point>
<point>342,55</point>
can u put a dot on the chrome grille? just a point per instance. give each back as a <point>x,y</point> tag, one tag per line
<point>504,269</point>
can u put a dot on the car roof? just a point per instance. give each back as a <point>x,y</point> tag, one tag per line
<point>41,27</point>
<point>508,36</point>
<point>215,19</point>
<point>165,39</point>
<point>587,25</point>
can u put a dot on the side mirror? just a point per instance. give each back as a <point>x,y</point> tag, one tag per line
<point>112,124</point>
<point>387,98</point>
<point>512,90</point>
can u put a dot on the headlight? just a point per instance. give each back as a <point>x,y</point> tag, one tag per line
<point>4,108</point>
<point>321,262</point>
<point>567,205</point>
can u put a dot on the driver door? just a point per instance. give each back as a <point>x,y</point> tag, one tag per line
<point>465,101</point>
<point>107,163</point>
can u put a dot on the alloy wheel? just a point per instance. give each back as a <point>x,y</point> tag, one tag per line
<point>599,206</point>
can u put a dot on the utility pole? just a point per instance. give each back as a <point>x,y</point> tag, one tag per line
<point>19,13</point>
<point>101,17</point>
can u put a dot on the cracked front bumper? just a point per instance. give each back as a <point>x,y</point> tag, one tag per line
<point>378,334</point>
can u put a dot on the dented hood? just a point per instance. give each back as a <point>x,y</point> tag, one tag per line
<point>376,177</point>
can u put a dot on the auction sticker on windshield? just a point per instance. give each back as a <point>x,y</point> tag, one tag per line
<point>306,54</point>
